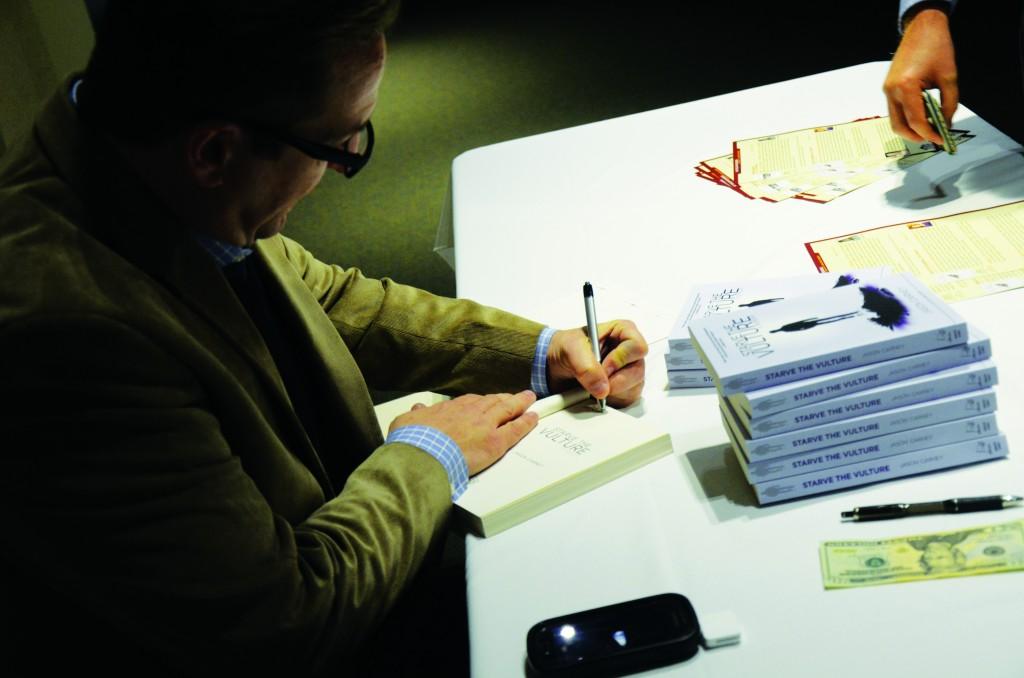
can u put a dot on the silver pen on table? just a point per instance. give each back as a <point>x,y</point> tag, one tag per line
<point>961,505</point>
<point>588,305</point>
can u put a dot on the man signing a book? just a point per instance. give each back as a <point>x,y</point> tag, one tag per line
<point>194,481</point>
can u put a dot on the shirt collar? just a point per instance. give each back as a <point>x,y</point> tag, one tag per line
<point>223,253</point>
<point>73,93</point>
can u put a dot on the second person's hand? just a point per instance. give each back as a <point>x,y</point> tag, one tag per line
<point>923,60</point>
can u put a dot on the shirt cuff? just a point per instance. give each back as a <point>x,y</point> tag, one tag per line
<point>440,446</point>
<point>539,371</point>
<point>907,5</point>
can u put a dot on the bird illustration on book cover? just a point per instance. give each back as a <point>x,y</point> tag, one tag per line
<point>879,306</point>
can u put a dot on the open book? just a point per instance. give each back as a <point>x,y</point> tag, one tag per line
<point>573,450</point>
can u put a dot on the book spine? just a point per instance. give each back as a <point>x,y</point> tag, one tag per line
<point>886,468</point>
<point>689,379</point>
<point>901,393</point>
<point>684,360</point>
<point>806,392</point>
<point>680,345</point>
<point>870,426</point>
<point>827,363</point>
<point>872,448</point>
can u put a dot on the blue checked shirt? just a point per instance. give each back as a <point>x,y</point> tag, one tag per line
<point>427,438</point>
<point>223,253</point>
<point>440,446</point>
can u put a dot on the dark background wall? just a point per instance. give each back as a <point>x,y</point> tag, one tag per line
<point>467,74</point>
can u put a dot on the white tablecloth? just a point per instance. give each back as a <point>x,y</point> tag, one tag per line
<point>616,203</point>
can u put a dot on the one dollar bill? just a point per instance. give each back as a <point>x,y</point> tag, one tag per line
<point>979,550</point>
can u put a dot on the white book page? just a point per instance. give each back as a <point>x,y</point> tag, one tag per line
<point>564,444</point>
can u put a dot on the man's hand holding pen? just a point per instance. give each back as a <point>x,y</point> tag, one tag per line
<point>619,376</point>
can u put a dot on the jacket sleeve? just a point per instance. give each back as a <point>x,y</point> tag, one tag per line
<point>407,339</point>
<point>120,491</point>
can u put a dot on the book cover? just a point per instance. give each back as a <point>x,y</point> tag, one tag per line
<point>860,428</point>
<point>863,450</point>
<point>879,470</point>
<point>841,328</point>
<point>774,399</point>
<point>573,450</point>
<point>952,381</point>
<point>736,295</point>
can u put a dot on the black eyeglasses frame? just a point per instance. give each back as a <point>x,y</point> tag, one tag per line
<point>350,162</point>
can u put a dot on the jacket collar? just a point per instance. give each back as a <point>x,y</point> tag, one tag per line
<point>123,213</point>
<point>127,216</point>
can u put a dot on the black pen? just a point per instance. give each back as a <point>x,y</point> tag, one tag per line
<point>996,502</point>
<point>588,306</point>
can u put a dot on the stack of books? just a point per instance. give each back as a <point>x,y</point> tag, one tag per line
<point>683,363</point>
<point>861,383</point>
<point>817,164</point>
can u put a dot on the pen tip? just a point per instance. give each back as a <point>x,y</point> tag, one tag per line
<point>588,290</point>
<point>847,515</point>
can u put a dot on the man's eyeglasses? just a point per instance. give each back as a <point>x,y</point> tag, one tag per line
<point>348,160</point>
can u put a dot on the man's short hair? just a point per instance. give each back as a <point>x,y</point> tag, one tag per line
<point>160,65</point>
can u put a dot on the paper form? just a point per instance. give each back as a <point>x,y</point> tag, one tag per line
<point>771,156</point>
<point>961,256</point>
<point>817,164</point>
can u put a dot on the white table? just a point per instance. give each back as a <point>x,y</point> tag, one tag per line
<point>616,202</point>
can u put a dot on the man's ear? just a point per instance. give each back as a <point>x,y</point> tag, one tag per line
<point>209,148</point>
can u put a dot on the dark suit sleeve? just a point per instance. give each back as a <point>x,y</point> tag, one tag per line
<point>120,492</point>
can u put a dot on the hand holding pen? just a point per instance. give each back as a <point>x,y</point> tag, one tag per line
<point>617,376</point>
<point>595,342</point>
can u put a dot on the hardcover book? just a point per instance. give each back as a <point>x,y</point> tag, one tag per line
<point>860,428</point>
<point>573,450</point>
<point>863,450</point>
<point>821,333</point>
<point>737,295</point>
<point>907,392</point>
<point>774,399</point>
<point>886,468</point>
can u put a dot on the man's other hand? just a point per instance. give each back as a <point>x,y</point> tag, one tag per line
<point>484,427</point>
<point>619,376</point>
<point>923,60</point>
